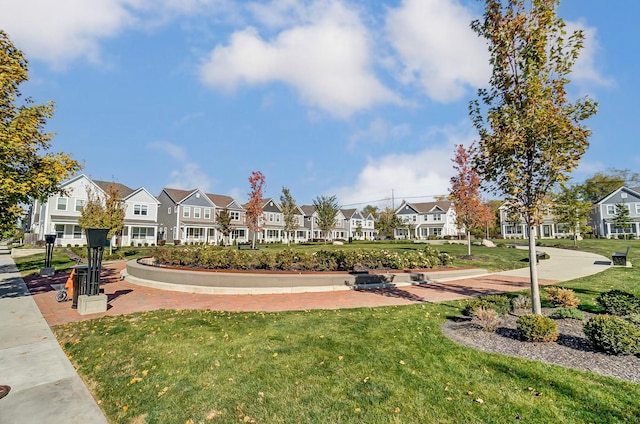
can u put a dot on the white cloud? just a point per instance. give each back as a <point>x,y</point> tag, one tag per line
<point>327,60</point>
<point>585,71</point>
<point>378,132</point>
<point>61,31</point>
<point>424,173</point>
<point>438,49</point>
<point>187,174</point>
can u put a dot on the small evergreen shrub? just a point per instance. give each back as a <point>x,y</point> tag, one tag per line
<point>499,303</point>
<point>633,319</point>
<point>521,302</point>
<point>613,335</point>
<point>487,319</point>
<point>619,303</point>
<point>537,328</point>
<point>571,313</point>
<point>565,298</point>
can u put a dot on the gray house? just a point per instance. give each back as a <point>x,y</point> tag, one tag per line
<point>606,210</point>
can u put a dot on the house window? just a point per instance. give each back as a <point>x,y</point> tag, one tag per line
<point>194,233</point>
<point>637,208</point>
<point>437,231</point>
<point>611,209</point>
<point>186,212</point>
<point>273,234</point>
<point>77,232</point>
<point>196,212</point>
<point>270,217</point>
<point>62,204</point>
<point>437,217</point>
<point>207,213</point>
<point>235,215</point>
<point>277,217</point>
<point>140,210</point>
<point>59,231</point>
<point>237,234</point>
<point>169,211</point>
<point>139,232</point>
<point>80,204</point>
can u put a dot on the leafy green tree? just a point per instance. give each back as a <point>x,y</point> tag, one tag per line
<point>289,213</point>
<point>27,170</point>
<point>601,184</point>
<point>223,222</point>
<point>370,209</point>
<point>104,212</point>
<point>622,218</point>
<point>327,209</point>
<point>571,209</point>
<point>388,222</point>
<point>531,136</point>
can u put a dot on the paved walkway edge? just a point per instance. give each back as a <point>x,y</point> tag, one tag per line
<point>45,387</point>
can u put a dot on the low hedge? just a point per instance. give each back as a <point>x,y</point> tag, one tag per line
<point>613,335</point>
<point>537,328</point>
<point>215,257</point>
<point>619,303</point>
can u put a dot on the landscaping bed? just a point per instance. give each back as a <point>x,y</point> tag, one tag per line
<point>570,350</point>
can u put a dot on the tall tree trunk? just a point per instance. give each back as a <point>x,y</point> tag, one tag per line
<point>533,272</point>
<point>469,243</point>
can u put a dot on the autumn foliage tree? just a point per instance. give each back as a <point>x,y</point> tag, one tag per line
<point>531,136</point>
<point>104,211</point>
<point>289,213</point>
<point>471,211</point>
<point>27,170</point>
<point>254,206</point>
<point>570,208</point>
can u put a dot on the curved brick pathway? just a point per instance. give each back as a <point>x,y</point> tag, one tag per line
<point>124,298</point>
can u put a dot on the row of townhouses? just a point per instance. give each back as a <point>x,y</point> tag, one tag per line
<point>602,219</point>
<point>183,216</point>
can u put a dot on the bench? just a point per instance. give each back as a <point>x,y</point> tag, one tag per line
<point>620,258</point>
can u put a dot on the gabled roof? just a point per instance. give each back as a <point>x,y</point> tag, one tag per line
<point>220,200</point>
<point>177,195</point>
<point>308,210</point>
<point>138,190</point>
<point>348,213</point>
<point>266,205</point>
<point>426,207</point>
<point>610,195</point>
<point>121,188</point>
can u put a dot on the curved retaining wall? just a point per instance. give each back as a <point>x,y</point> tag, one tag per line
<point>243,282</point>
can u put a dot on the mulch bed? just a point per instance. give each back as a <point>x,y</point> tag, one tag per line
<point>570,350</point>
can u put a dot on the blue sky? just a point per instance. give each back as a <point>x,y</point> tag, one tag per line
<point>360,99</point>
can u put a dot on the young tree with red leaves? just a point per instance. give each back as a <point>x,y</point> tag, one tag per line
<point>471,211</point>
<point>254,206</point>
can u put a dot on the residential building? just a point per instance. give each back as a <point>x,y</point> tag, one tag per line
<point>240,231</point>
<point>606,210</point>
<point>514,225</point>
<point>358,226</point>
<point>426,220</point>
<point>59,214</point>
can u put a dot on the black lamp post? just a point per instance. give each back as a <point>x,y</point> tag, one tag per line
<point>96,239</point>
<point>48,270</point>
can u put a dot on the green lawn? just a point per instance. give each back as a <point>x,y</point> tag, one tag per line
<point>374,365</point>
<point>369,365</point>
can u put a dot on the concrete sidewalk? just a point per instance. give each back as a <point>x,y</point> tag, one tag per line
<point>45,387</point>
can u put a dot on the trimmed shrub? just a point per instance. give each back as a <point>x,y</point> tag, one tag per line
<point>521,302</point>
<point>499,303</point>
<point>571,313</point>
<point>537,328</point>
<point>487,319</point>
<point>633,319</point>
<point>613,335</point>
<point>619,303</point>
<point>565,298</point>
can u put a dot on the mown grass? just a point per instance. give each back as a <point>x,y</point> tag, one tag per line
<point>373,365</point>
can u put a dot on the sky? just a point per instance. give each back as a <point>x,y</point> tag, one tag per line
<point>363,99</point>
